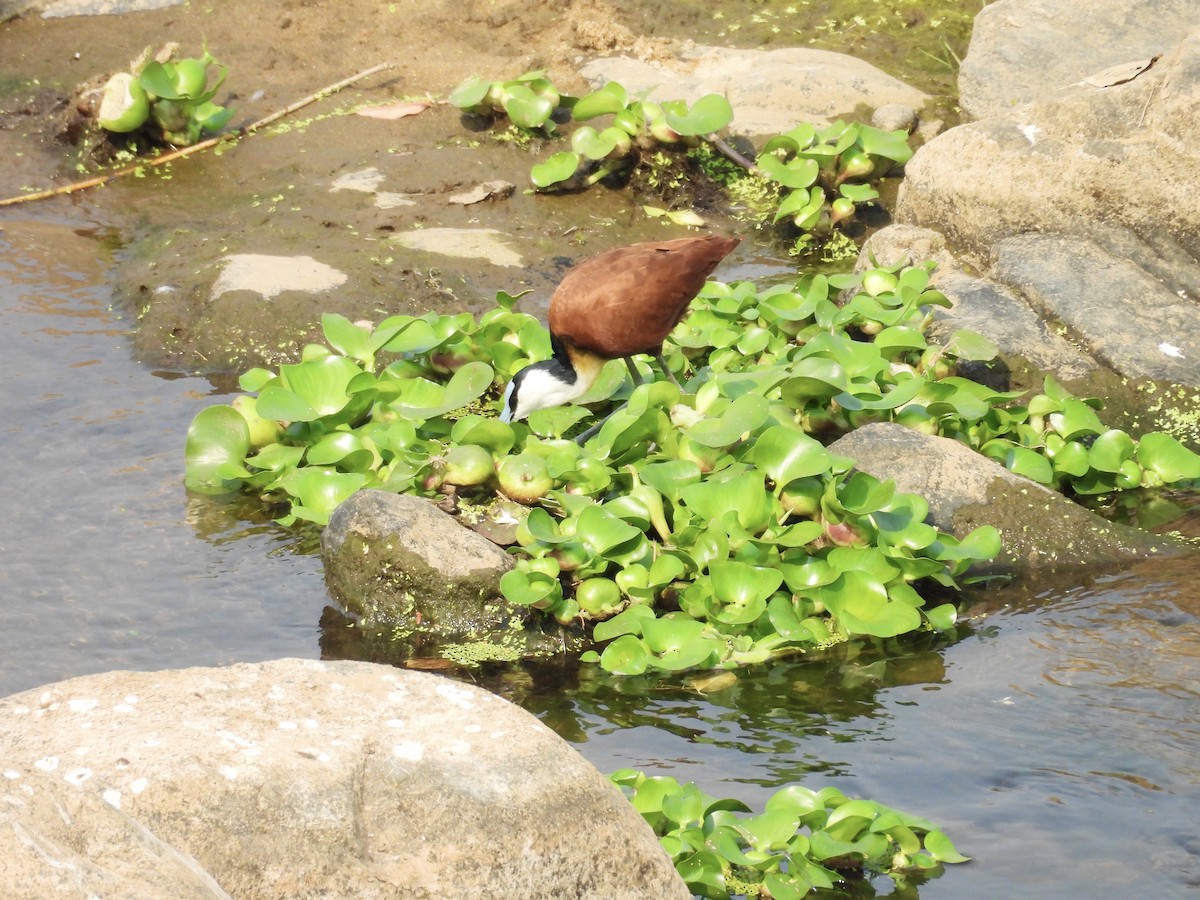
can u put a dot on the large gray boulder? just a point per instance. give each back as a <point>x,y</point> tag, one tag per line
<point>1024,49</point>
<point>1069,233</point>
<point>770,90</point>
<point>300,779</point>
<point>1039,528</point>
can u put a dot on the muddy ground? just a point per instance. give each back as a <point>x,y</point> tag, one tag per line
<point>271,193</point>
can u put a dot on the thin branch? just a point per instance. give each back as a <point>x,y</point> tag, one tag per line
<point>728,151</point>
<point>196,148</point>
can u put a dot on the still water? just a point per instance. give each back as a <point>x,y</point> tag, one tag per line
<point>1057,740</point>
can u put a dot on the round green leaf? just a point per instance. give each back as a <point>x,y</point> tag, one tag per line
<point>796,173</point>
<point>609,99</point>
<point>556,169</point>
<point>1111,450</point>
<point>217,438</point>
<point>627,655</point>
<point>710,113</point>
<point>943,848</point>
<point>786,454</point>
<point>1168,458</point>
<point>527,109</point>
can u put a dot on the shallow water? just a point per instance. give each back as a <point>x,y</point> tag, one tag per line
<point>1055,741</point>
<point>104,561</point>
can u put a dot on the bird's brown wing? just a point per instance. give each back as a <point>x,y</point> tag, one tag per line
<point>626,301</point>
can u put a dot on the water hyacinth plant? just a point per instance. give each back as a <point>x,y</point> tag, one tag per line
<point>170,100</point>
<point>709,527</point>
<point>803,840</point>
<point>810,180</point>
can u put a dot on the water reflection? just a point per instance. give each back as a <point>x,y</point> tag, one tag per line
<point>1056,739</point>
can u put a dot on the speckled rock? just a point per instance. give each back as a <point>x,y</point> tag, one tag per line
<point>1040,529</point>
<point>301,779</point>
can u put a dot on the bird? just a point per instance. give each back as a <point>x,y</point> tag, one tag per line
<point>616,305</point>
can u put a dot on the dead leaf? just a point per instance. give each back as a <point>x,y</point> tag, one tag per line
<point>678,216</point>
<point>489,190</point>
<point>1119,74</point>
<point>394,110</point>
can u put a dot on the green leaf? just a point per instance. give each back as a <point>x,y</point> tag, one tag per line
<point>1168,458</point>
<point>813,378</point>
<point>743,585</point>
<point>861,606</point>
<point>558,168</point>
<point>320,384</point>
<point>710,113</point>
<point>627,655</point>
<point>1072,459</point>
<point>319,489</point>
<point>217,438</point>
<point>602,531</point>
<point>1075,419</point>
<point>609,99</point>
<point>587,142</point>
<point>891,145</point>
<point>1111,450</point>
<point>470,93</point>
<point>464,387</point>
<point>746,494</point>
<point>943,849</point>
<point>733,423</point>
<point>858,193</point>
<point>703,870</point>
<point>970,345</point>
<point>159,79</point>
<point>942,618</point>
<point>527,109</point>
<point>525,588</point>
<point>786,454</point>
<point>797,173</point>
<point>628,622</point>
<point>1030,464</point>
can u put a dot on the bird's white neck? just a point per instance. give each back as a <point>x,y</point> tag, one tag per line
<point>550,383</point>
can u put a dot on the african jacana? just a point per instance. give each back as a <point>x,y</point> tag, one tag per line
<point>614,306</point>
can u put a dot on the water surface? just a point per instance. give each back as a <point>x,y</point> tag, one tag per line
<point>1056,740</point>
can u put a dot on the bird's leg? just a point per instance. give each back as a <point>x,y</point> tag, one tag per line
<point>637,379</point>
<point>662,364</point>
<point>582,438</point>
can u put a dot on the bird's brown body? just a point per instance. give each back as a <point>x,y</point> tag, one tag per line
<point>626,301</point>
<point>612,306</point>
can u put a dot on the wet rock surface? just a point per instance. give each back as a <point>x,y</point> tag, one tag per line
<point>397,559</point>
<point>1040,529</point>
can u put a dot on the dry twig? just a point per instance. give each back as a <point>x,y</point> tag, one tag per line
<point>196,148</point>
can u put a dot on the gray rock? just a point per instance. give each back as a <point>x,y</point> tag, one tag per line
<point>1126,318</point>
<point>770,90</point>
<point>1112,164</point>
<point>1039,528</point>
<point>299,779</point>
<point>1075,206</point>
<point>909,244</point>
<point>397,559</point>
<point>1028,344</point>
<point>1022,50</point>
<point>894,116</point>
